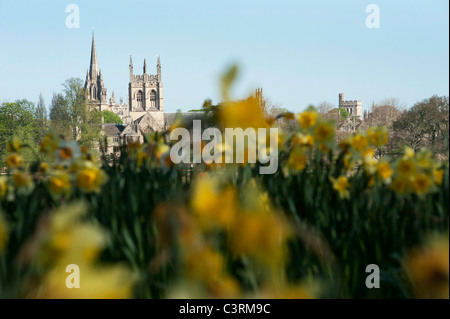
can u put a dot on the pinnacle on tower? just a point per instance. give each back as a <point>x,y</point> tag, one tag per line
<point>158,68</point>
<point>145,66</point>
<point>100,76</point>
<point>131,65</point>
<point>93,71</point>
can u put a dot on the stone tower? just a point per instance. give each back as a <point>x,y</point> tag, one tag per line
<point>260,98</point>
<point>354,107</point>
<point>145,92</point>
<point>94,87</point>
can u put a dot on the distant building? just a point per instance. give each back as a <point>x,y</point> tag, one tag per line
<point>144,112</point>
<point>353,107</point>
<point>260,98</point>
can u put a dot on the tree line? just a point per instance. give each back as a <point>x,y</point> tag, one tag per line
<point>70,115</point>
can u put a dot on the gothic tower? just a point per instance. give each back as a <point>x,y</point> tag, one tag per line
<point>260,99</point>
<point>94,87</point>
<point>145,92</point>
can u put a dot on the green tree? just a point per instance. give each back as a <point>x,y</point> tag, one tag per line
<point>40,115</point>
<point>110,117</point>
<point>343,113</point>
<point>73,117</point>
<point>59,116</point>
<point>17,119</point>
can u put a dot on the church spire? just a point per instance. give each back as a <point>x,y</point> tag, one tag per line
<point>93,71</point>
<point>145,66</point>
<point>131,67</point>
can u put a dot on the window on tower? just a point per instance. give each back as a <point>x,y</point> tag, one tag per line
<point>139,99</point>
<point>153,99</point>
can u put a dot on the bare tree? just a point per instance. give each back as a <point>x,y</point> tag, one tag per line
<point>324,107</point>
<point>426,124</point>
<point>274,110</point>
<point>384,113</point>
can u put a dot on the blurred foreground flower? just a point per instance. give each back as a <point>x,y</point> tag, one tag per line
<point>3,187</point>
<point>14,160</point>
<point>417,173</point>
<point>65,239</point>
<point>211,205</point>
<point>91,179</point>
<point>23,182</point>
<point>14,146</point>
<point>342,186</point>
<point>428,268</point>
<point>3,233</point>
<point>114,282</point>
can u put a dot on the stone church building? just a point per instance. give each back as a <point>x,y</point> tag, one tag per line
<point>144,111</point>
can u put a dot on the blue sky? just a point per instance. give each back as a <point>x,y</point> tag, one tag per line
<point>300,52</point>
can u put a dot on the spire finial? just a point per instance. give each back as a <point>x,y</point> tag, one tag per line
<point>93,71</point>
<point>145,66</point>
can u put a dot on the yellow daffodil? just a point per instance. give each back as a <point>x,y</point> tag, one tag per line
<point>60,183</point>
<point>342,186</point>
<point>114,282</point>
<point>14,146</point>
<point>23,182</point>
<point>377,136</point>
<point>421,183</point>
<point>428,269</point>
<point>401,185</point>
<point>3,233</point>
<point>324,132</point>
<point>91,179</point>
<point>225,287</point>
<point>370,163</point>
<point>262,236</point>
<point>14,160</point>
<point>406,167</point>
<point>212,206</point>
<point>209,269</point>
<point>408,153</point>
<point>438,176</point>
<point>289,292</point>
<point>161,149</point>
<point>348,161</point>
<point>384,170</point>
<point>297,160</point>
<point>244,114</point>
<point>3,187</point>
<point>307,119</point>
<point>49,144</point>
<point>424,159</point>
<point>302,140</point>
<point>44,168</point>
<point>359,143</point>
